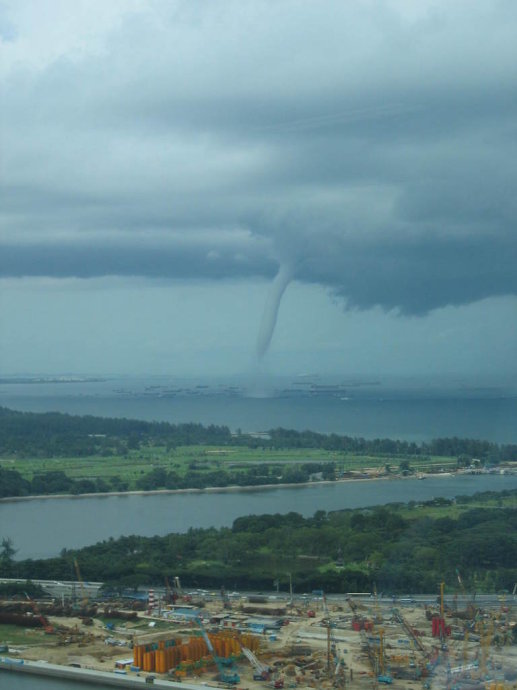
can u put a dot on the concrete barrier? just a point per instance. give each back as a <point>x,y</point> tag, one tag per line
<point>88,676</point>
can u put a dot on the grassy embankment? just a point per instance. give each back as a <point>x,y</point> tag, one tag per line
<point>15,635</point>
<point>446,508</point>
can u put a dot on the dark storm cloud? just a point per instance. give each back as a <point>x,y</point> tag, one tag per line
<point>369,148</point>
<point>419,277</point>
<point>88,261</point>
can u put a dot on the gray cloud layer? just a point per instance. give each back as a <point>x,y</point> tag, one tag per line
<point>369,146</point>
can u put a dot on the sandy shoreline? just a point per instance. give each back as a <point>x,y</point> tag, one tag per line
<point>220,489</point>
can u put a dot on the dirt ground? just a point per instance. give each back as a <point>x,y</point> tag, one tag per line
<point>393,642</point>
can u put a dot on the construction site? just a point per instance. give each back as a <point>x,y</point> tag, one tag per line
<point>256,641</point>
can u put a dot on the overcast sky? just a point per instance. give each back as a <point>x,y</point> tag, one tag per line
<point>161,161</point>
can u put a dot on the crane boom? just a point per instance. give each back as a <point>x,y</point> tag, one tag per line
<point>84,602</point>
<point>224,676</point>
<point>331,641</point>
<point>43,619</point>
<point>257,665</point>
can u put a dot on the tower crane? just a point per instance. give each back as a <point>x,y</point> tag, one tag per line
<point>85,599</point>
<point>331,642</point>
<point>378,615</point>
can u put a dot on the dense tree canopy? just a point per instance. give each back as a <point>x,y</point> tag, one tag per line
<point>400,548</point>
<point>52,434</point>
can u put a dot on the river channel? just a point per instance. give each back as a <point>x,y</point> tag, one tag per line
<point>40,528</point>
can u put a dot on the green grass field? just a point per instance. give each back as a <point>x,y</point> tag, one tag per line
<point>454,510</point>
<point>15,635</point>
<point>209,459</point>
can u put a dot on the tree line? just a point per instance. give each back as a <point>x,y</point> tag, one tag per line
<point>54,434</point>
<point>13,484</point>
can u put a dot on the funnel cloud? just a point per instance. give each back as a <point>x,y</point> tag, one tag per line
<point>271,307</point>
<point>359,143</point>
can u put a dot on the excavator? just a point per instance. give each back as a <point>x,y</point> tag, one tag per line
<point>49,629</point>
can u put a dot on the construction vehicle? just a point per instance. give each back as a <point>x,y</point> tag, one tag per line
<point>49,629</point>
<point>470,607</point>
<point>224,675</point>
<point>262,671</point>
<point>178,589</point>
<point>397,616</point>
<point>171,595</point>
<point>383,676</point>
<point>331,642</point>
<point>86,611</point>
<point>225,599</point>
<point>388,680</point>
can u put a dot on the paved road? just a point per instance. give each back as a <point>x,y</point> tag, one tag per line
<point>70,588</point>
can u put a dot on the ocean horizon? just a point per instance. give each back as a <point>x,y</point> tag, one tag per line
<point>414,409</point>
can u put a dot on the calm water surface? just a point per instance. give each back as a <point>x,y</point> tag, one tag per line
<point>410,410</point>
<point>14,681</point>
<point>41,528</point>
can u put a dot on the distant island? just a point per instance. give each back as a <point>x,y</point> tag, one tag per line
<point>53,453</point>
